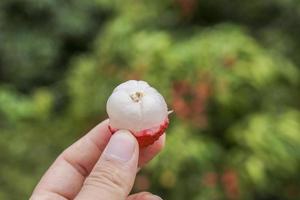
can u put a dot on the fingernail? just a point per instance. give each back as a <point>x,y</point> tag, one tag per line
<point>121,146</point>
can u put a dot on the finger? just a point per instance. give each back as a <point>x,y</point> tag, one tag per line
<point>113,175</point>
<point>144,196</point>
<point>67,174</point>
<point>148,153</point>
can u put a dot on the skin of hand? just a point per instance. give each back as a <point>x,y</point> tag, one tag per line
<point>99,166</point>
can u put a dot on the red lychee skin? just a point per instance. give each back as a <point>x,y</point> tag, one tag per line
<point>148,136</point>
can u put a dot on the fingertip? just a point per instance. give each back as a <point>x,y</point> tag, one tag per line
<point>151,151</point>
<point>161,142</point>
<point>157,146</point>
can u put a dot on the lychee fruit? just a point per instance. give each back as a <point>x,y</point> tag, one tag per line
<point>139,108</point>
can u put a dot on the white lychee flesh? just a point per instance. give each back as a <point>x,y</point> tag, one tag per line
<point>136,106</point>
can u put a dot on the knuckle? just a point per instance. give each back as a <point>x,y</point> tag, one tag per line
<point>141,196</point>
<point>107,177</point>
<point>47,196</point>
<point>144,195</point>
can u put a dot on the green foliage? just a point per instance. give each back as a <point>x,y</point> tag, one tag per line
<point>270,156</point>
<point>229,71</point>
<point>38,37</point>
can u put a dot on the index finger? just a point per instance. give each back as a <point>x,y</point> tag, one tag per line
<point>66,175</point>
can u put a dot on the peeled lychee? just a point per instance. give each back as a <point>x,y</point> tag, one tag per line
<point>139,108</point>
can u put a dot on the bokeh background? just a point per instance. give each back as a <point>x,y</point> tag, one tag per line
<point>229,70</point>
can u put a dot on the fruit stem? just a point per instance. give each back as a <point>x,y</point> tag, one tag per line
<point>170,112</point>
<point>137,96</point>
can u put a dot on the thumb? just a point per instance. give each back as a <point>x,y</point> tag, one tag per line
<point>113,175</point>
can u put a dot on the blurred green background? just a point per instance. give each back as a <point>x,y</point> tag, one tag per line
<point>229,70</point>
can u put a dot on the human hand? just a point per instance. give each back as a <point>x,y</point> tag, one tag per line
<point>98,166</point>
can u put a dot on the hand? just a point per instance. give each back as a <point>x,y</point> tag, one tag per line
<point>97,166</point>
